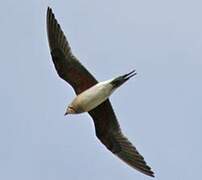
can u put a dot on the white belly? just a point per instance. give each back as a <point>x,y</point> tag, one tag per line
<point>93,96</point>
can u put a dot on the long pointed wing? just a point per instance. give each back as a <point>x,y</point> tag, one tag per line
<point>106,124</point>
<point>109,133</point>
<point>66,64</point>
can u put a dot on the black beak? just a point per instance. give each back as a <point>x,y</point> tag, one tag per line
<point>65,113</point>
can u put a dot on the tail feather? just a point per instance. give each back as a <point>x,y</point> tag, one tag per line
<point>122,79</point>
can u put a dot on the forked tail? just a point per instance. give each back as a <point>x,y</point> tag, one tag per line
<point>122,79</point>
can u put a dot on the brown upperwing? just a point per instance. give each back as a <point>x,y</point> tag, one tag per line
<point>109,132</point>
<point>66,64</point>
<point>106,124</point>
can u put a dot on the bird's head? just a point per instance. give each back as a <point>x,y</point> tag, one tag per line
<point>70,110</point>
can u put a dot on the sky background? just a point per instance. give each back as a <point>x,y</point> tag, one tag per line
<point>159,110</point>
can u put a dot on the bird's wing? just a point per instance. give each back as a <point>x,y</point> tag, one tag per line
<point>109,133</point>
<point>66,64</point>
<point>106,124</point>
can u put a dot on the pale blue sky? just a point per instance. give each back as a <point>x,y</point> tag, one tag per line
<point>159,110</point>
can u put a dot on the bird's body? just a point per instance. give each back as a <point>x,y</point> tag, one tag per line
<point>92,97</point>
<point>97,94</point>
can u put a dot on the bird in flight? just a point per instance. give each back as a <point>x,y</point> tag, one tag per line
<point>92,97</point>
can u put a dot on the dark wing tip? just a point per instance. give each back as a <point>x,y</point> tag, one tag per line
<point>49,15</point>
<point>122,148</point>
<point>51,27</point>
<point>56,37</point>
<point>49,11</point>
<point>66,64</point>
<point>132,157</point>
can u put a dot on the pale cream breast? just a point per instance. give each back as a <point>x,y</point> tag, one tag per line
<point>92,97</point>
